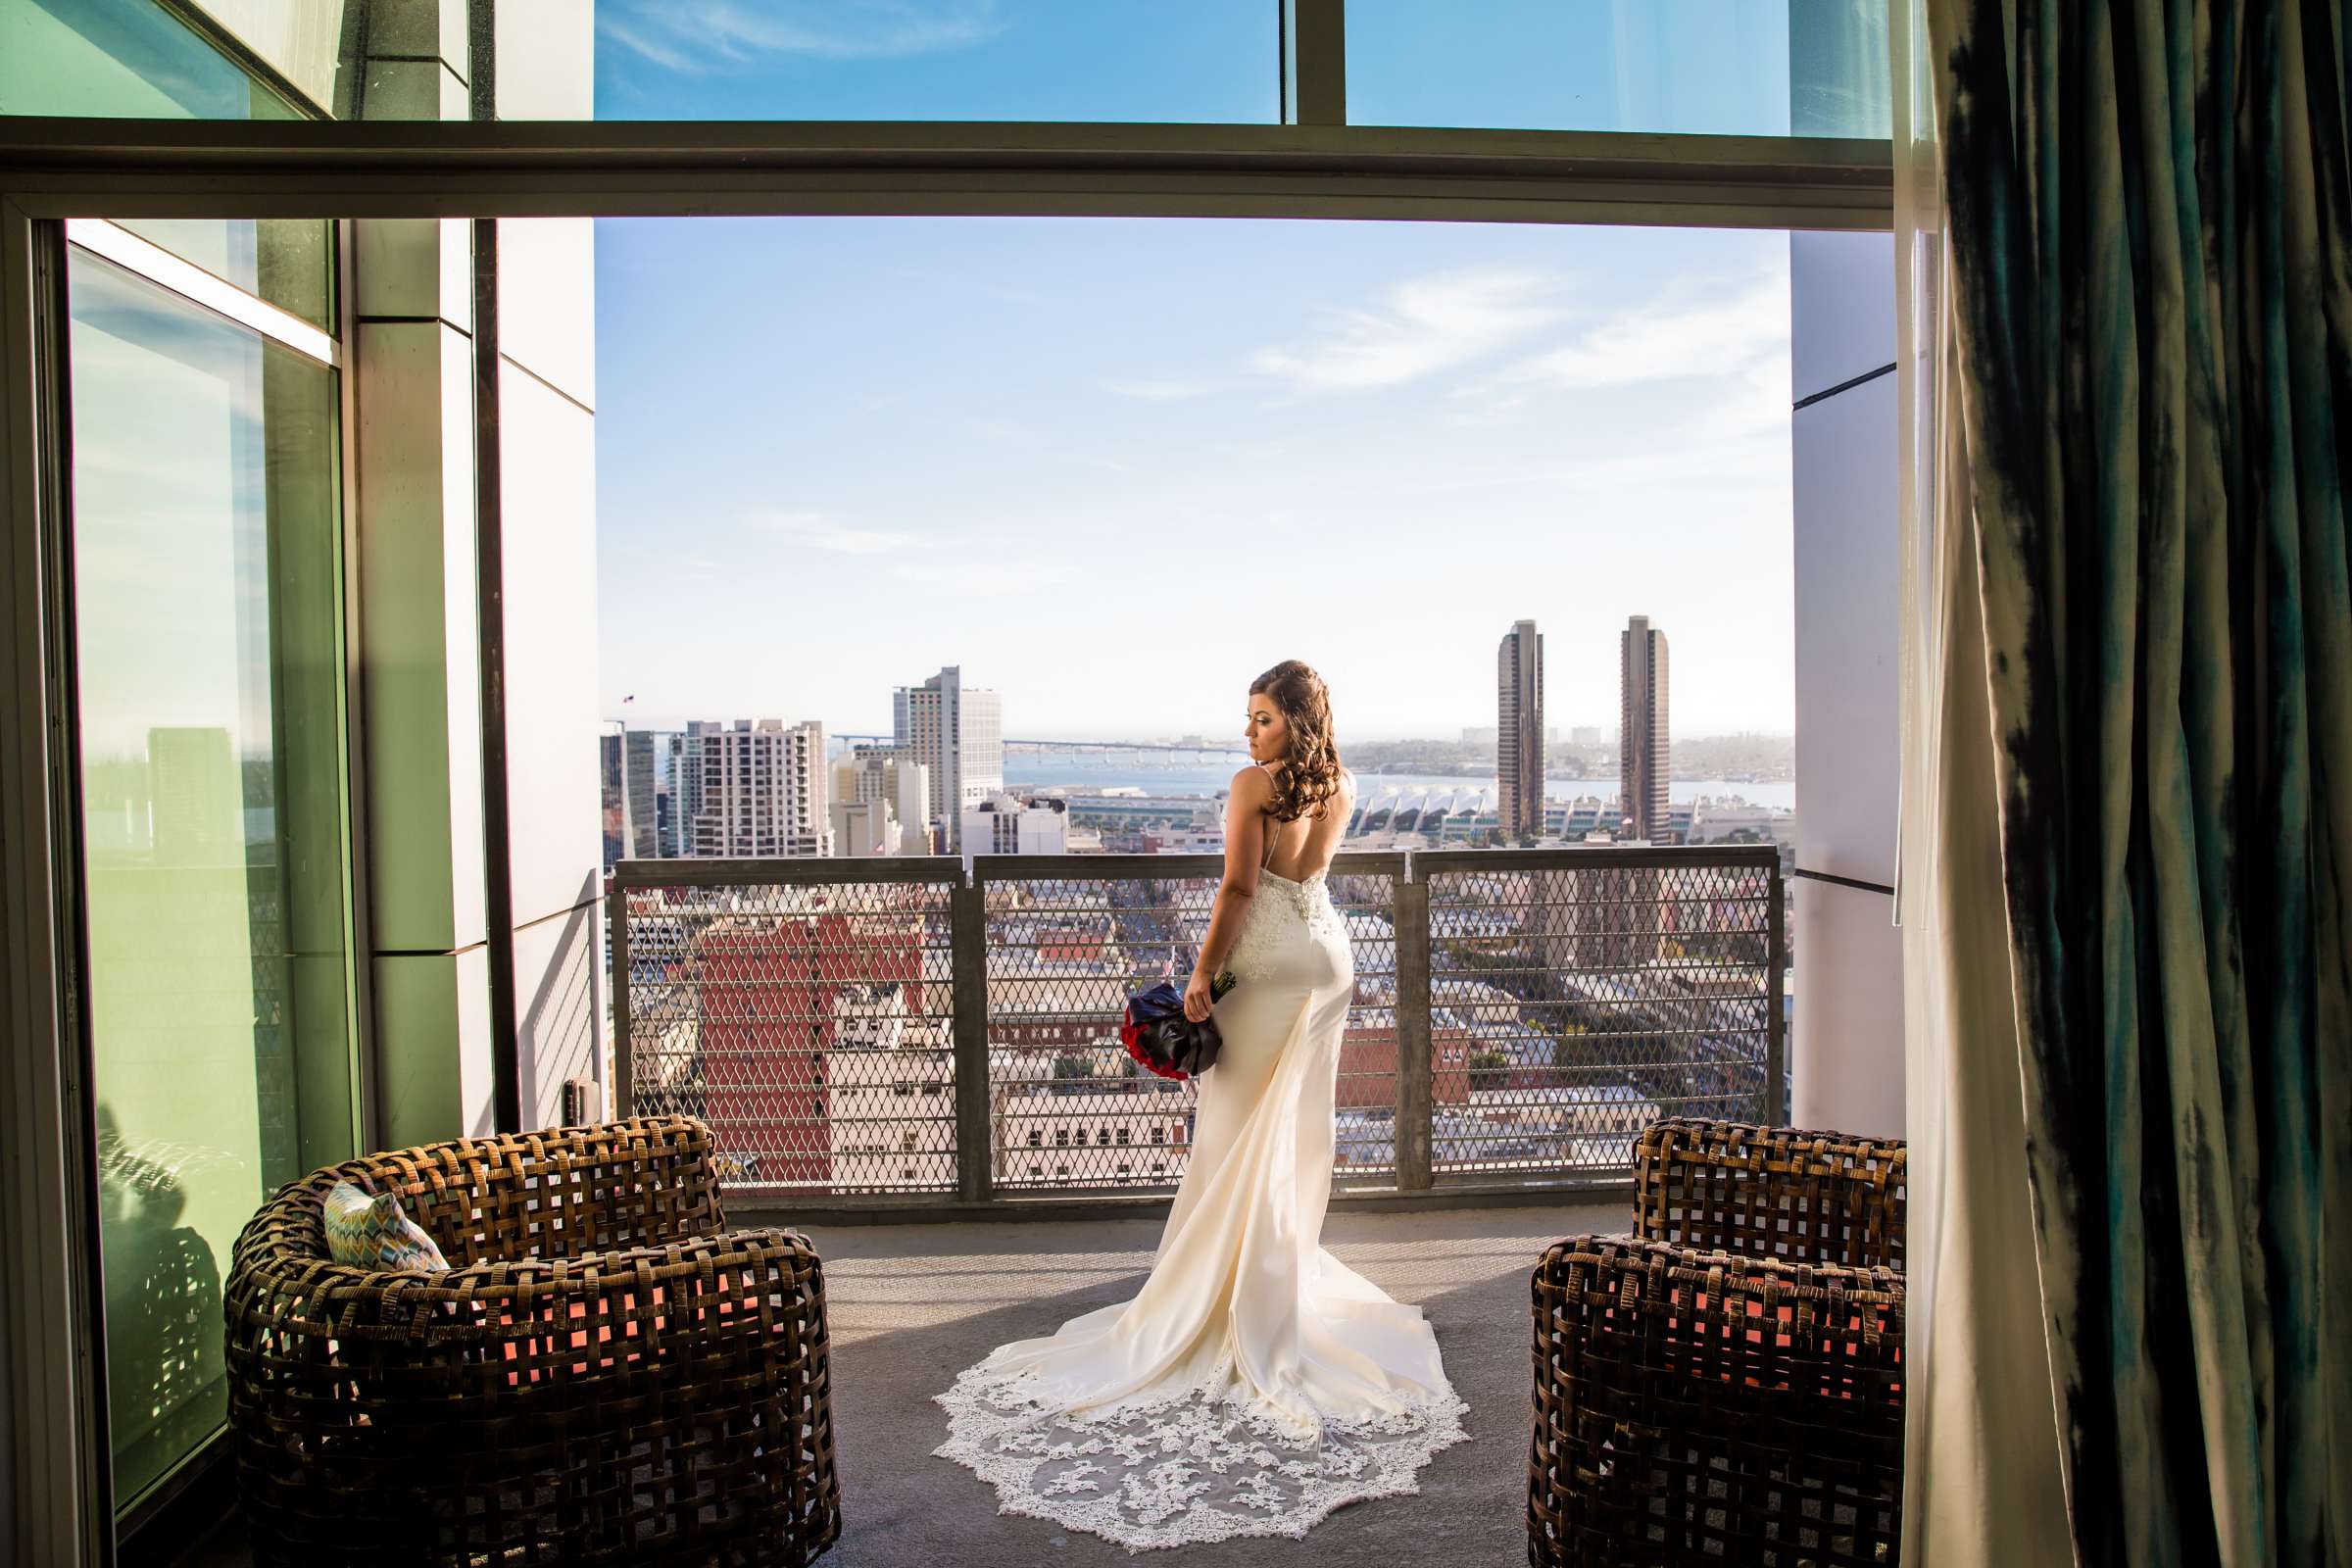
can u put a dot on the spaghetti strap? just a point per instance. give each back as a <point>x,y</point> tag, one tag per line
<point>1272,826</point>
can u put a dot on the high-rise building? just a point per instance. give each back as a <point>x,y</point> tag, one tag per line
<point>1585,737</point>
<point>649,780</point>
<point>899,788</point>
<point>612,774</point>
<point>763,790</point>
<point>957,733</point>
<point>669,785</point>
<point>1643,764</point>
<point>690,779</point>
<point>1519,730</point>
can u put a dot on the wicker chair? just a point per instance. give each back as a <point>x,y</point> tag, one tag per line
<point>1725,1385</point>
<point>606,1374</point>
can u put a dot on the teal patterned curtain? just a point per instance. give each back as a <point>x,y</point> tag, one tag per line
<point>2150,226</point>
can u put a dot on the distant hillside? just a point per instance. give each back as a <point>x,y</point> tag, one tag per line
<point>1763,757</point>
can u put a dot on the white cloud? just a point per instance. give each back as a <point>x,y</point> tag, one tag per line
<point>1426,326</point>
<point>692,36</point>
<point>638,42</point>
<point>1724,334</point>
<point>813,531</point>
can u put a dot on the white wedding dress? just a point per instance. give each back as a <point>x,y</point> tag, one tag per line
<point>1254,1382</point>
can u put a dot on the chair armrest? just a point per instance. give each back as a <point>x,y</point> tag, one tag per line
<point>1823,1197</point>
<point>1626,1284</point>
<point>1689,1405</point>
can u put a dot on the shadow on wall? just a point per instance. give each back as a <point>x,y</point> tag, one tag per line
<point>558,1026</point>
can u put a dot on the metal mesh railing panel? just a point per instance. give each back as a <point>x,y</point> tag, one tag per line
<point>1573,998</point>
<point>1570,1009</point>
<point>1067,1106</point>
<point>1364,1093</point>
<point>811,1025</point>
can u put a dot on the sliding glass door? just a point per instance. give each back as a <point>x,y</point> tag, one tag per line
<point>206,590</point>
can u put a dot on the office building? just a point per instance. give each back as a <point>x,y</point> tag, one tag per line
<point>651,759</point>
<point>612,793</point>
<point>957,733</point>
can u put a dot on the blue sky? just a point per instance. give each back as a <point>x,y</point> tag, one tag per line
<point>1115,467</point>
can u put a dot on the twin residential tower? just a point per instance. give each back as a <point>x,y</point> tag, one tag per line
<point>1643,745</point>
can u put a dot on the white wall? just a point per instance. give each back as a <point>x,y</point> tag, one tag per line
<point>1847,1042</point>
<point>428,864</point>
<point>547,407</point>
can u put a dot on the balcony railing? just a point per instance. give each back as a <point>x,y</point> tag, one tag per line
<point>931,1032</point>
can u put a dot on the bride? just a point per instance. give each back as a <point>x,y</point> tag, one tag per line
<point>1254,1382</point>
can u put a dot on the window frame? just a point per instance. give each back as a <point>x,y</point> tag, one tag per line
<point>52,170</point>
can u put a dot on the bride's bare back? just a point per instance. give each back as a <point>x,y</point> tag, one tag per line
<point>1303,850</point>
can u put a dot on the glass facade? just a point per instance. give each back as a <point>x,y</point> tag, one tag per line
<point>1710,67</point>
<point>1730,68</point>
<point>135,59</point>
<point>207,601</point>
<point>1200,62</point>
<point>127,58</point>
<point>289,262</point>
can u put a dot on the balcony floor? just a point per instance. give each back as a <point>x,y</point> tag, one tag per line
<point>913,1303</point>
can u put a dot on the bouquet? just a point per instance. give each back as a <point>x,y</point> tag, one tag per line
<point>1157,1034</point>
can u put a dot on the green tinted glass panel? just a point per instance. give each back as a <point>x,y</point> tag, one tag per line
<point>209,667</point>
<point>128,58</point>
<point>1744,68</point>
<point>290,262</point>
<point>132,57</point>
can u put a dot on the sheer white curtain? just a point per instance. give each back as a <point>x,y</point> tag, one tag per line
<point>1982,1483</point>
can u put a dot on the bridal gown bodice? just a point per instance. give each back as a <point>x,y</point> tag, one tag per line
<point>1254,1383</point>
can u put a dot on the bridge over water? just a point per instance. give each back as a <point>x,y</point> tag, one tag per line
<point>1147,752</point>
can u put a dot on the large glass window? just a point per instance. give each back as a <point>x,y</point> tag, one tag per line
<point>1745,67</point>
<point>131,58</point>
<point>1203,61</point>
<point>290,262</point>
<point>209,659</point>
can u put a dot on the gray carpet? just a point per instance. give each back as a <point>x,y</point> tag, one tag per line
<point>912,1304</point>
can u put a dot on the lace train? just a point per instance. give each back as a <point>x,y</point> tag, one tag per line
<point>1176,1467</point>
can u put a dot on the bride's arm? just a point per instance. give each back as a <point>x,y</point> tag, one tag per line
<point>1244,850</point>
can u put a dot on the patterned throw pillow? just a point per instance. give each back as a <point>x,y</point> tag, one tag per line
<point>376,1233</point>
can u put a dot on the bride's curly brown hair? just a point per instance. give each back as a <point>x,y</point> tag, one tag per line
<point>1311,775</point>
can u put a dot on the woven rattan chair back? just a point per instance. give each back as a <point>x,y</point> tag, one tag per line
<point>606,1374</point>
<point>1771,1191</point>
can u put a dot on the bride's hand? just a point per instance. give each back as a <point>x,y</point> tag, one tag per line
<point>1195,998</point>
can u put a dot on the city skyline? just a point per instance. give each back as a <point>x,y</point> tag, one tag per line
<point>1315,435</point>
